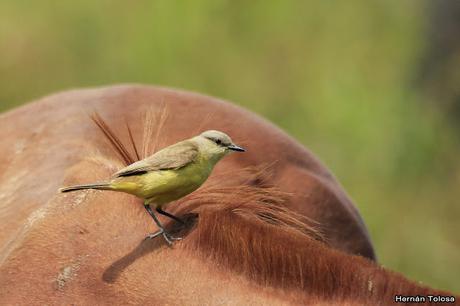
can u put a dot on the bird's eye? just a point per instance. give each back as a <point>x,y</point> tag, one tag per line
<point>218,141</point>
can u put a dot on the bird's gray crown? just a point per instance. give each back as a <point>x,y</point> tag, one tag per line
<point>217,137</point>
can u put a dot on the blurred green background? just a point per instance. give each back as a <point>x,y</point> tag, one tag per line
<point>358,82</point>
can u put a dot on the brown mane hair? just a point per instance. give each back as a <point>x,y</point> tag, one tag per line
<point>248,230</point>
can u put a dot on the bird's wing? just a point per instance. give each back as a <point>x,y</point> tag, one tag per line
<point>172,157</point>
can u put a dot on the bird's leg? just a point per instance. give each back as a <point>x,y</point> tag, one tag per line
<point>162,212</point>
<point>162,230</point>
<point>168,238</point>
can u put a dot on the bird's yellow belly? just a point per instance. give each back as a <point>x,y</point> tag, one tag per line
<point>163,186</point>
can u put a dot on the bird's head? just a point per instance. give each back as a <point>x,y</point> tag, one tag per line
<point>218,143</point>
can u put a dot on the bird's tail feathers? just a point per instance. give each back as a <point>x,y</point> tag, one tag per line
<point>100,186</point>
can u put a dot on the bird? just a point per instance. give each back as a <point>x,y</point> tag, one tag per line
<point>169,174</point>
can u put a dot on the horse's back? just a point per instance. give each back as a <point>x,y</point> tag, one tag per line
<point>54,245</point>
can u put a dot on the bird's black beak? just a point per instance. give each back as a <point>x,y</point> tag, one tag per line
<point>234,147</point>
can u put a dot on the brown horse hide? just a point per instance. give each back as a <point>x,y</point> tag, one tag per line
<point>87,247</point>
<point>43,140</point>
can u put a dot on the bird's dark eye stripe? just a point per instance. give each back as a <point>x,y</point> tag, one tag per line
<point>217,141</point>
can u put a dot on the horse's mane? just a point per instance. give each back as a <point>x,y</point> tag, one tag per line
<point>241,224</point>
<point>247,230</point>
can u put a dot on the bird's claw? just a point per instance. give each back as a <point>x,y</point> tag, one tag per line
<point>168,238</point>
<point>153,235</point>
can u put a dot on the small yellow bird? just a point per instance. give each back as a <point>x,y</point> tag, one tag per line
<point>169,174</point>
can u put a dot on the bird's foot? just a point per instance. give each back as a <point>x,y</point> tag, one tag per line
<point>153,235</point>
<point>167,237</point>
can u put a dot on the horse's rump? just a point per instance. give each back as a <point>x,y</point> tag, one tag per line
<point>254,235</point>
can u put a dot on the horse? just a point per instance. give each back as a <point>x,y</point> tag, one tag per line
<point>269,227</point>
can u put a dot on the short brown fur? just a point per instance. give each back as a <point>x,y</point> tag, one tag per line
<point>246,242</point>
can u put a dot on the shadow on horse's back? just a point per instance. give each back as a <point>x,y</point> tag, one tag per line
<point>285,233</point>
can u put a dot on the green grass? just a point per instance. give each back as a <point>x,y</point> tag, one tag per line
<point>334,74</point>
